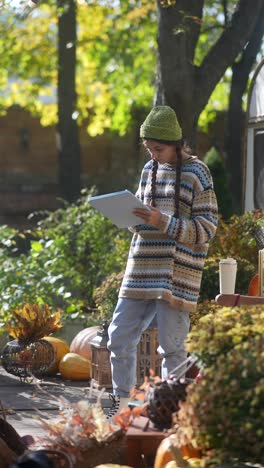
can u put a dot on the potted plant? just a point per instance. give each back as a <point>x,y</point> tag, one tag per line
<point>84,432</point>
<point>28,354</point>
<point>223,412</point>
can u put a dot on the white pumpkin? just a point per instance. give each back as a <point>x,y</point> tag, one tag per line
<point>81,343</point>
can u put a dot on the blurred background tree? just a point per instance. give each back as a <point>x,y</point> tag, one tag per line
<point>234,135</point>
<point>221,182</point>
<point>116,58</point>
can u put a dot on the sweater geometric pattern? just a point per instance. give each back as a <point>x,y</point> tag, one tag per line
<point>167,262</point>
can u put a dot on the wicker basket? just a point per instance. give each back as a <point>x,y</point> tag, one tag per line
<point>27,359</point>
<point>113,452</point>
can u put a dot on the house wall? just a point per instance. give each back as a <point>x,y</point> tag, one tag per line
<point>29,164</point>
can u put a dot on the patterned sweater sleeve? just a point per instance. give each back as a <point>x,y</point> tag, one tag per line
<point>201,227</point>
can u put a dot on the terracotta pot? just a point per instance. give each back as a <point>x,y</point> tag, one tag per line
<point>101,454</point>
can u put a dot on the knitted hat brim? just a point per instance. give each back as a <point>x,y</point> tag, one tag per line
<point>158,133</point>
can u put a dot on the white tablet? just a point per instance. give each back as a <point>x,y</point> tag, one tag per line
<point>118,207</point>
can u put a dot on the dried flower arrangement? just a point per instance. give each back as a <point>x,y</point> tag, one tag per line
<point>84,432</point>
<point>80,425</point>
<point>28,354</point>
<point>32,322</point>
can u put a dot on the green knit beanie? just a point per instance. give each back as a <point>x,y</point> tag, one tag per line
<point>161,124</point>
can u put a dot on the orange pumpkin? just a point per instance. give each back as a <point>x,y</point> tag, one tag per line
<point>60,348</point>
<point>169,455</point>
<point>253,288</point>
<point>81,343</point>
<point>75,367</point>
<point>189,451</point>
<point>165,452</point>
<point>110,465</point>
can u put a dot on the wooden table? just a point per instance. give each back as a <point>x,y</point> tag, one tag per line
<point>142,441</point>
<point>232,300</point>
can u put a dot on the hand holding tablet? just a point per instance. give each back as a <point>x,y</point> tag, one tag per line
<point>119,207</point>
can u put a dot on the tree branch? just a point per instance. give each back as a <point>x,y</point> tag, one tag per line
<point>224,52</point>
<point>235,117</point>
<point>178,33</point>
<point>249,54</point>
<point>187,15</point>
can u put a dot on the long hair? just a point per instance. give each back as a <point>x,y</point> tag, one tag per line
<point>178,145</point>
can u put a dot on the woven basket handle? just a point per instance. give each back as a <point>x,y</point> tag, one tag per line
<point>180,370</point>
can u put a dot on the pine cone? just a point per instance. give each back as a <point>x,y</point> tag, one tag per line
<point>163,400</point>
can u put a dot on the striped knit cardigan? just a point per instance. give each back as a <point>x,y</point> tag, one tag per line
<point>167,263</point>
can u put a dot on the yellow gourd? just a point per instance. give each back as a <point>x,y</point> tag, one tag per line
<point>75,367</point>
<point>60,348</point>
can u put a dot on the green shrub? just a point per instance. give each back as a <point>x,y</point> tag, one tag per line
<point>74,249</point>
<point>235,238</point>
<point>223,329</point>
<point>106,296</point>
<point>203,308</point>
<point>223,412</point>
<point>210,279</point>
<point>221,182</point>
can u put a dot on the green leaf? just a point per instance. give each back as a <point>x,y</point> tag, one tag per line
<point>36,246</point>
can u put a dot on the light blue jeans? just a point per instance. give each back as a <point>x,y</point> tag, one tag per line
<point>131,317</point>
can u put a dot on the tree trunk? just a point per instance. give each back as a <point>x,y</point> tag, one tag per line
<point>175,70</point>
<point>68,134</point>
<point>182,85</point>
<point>235,130</point>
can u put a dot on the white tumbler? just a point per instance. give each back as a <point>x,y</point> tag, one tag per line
<point>227,275</point>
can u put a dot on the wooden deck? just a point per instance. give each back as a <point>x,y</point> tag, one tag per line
<point>21,402</point>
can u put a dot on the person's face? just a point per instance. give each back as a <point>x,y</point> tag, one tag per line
<point>161,152</point>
